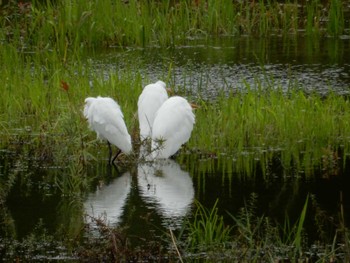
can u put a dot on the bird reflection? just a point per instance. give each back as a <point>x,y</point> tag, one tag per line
<point>108,201</point>
<point>165,186</point>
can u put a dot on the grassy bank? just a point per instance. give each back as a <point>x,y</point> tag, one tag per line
<point>76,24</point>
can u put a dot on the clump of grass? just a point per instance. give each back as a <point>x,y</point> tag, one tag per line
<point>335,25</point>
<point>300,128</point>
<point>254,237</point>
<point>207,230</point>
<point>103,243</point>
<point>293,234</point>
<point>313,18</point>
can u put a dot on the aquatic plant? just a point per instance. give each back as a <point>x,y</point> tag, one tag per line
<point>314,17</point>
<point>293,234</point>
<point>335,25</point>
<point>254,237</point>
<point>207,229</point>
<point>250,237</point>
<point>298,128</point>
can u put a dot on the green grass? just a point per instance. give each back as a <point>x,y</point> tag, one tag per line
<point>302,130</point>
<point>254,238</point>
<point>235,131</point>
<point>335,25</point>
<point>207,229</point>
<point>68,26</point>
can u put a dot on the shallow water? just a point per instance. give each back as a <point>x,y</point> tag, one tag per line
<point>144,198</point>
<point>152,198</point>
<point>206,67</point>
<point>165,193</point>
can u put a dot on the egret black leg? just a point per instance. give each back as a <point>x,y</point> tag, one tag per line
<point>115,167</point>
<point>115,157</point>
<point>110,152</point>
<point>109,169</point>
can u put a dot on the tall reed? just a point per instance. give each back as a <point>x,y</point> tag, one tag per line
<point>336,18</point>
<point>71,25</point>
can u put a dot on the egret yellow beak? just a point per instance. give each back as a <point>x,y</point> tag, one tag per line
<point>194,106</point>
<point>170,91</point>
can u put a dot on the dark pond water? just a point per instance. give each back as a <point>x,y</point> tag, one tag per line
<point>149,197</point>
<point>207,67</point>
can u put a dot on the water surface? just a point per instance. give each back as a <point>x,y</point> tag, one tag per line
<point>153,197</point>
<point>205,67</point>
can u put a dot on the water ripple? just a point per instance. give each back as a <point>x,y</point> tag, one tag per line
<point>207,69</point>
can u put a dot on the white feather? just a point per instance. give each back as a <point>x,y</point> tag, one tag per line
<point>107,120</point>
<point>172,127</point>
<point>150,100</point>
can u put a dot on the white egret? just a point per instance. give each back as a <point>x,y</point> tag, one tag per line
<point>172,127</point>
<point>150,100</point>
<point>107,120</point>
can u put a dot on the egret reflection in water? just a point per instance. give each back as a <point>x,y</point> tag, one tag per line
<point>168,188</point>
<point>109,201</point>
<point>162,187</point>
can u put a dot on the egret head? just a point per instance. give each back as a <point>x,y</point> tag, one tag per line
<point>161,83</point>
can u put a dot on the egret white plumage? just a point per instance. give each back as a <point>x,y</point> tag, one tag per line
<point>172,127</point>
<point>107,120</point>
<point>150,100</point>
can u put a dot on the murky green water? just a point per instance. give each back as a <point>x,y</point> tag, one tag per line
<point>151,198</point>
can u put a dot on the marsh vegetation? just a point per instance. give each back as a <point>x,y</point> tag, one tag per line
<point>263,156</point>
